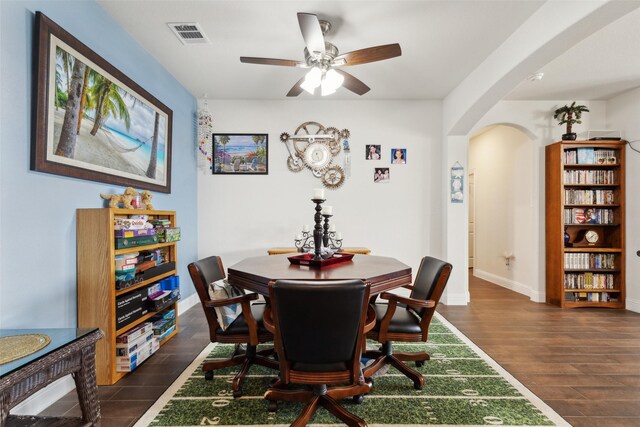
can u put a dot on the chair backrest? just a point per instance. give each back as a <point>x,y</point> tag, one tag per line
<point>204,272</point>
<point>319,323</point>
<point>431,279</point>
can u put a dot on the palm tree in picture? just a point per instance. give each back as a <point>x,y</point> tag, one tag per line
<point>151,170</point>
<point>67,63</point>
<point>86,100</point>
<point>67,142</point>
<point>258,139</point>
<point>224,140</point>
<point>109,101</point>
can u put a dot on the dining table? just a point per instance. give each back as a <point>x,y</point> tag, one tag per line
<point>381,273</point>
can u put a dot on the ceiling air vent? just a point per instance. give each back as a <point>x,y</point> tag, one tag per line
<point>189,32</point>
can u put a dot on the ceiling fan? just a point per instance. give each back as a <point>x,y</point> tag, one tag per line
<point>324,59</point>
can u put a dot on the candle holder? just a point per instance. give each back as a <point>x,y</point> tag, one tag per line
<point>332,241</point>
<point>317,229</point>
<point>305,242</point>
<point>325,235</point>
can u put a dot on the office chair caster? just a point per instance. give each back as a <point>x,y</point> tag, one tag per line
<point>419,363</point>
<point>237,393</point>
<point>273,406</point>
<point>359,398</point>
<point>208,375</point>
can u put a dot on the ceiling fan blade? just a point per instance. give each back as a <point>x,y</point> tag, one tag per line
<point>370,54</point>
<point>273,61</point>
<point>311,32</point>
<point>353,84</point>
<point>296,89</point>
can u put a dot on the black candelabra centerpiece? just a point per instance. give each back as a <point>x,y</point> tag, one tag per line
<point>317,230</point>
<point>323,240</point>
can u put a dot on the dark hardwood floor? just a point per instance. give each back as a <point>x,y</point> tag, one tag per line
<point>584,363</point>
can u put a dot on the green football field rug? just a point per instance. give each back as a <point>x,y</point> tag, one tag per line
<point>464,387</point>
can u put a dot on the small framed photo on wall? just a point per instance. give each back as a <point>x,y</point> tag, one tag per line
<point>373,152</point>
<point>381,175</point>
<point>398,156</point>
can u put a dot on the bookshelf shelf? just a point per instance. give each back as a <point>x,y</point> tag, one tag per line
<point>585,184</point>
<point>96,276</point>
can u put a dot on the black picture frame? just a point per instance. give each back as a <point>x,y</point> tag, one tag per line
<point>236,157</point>
<point>123,133</point>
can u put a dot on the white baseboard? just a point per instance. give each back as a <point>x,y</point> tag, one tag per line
<point>518,287</point>
<point>633,305</point>
<point>57,389</point>
<point>455,299</point>
<point>42,399</point>
<point>187,303</point>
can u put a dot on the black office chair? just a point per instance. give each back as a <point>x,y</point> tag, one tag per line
<point>407,319</point>
<point>319,334</point>
<point>246,328</point>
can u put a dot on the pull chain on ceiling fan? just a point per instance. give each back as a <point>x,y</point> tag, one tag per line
<point>323,58</point>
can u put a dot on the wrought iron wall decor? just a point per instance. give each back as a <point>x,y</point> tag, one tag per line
<point>315,147</point>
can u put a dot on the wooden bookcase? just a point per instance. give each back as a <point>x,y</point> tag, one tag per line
<point>585,198</point>
<point>96,280</point>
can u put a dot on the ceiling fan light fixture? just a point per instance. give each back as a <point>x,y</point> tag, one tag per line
<point>309,88</point>
<point>312,80</point>
<point>331,82</point>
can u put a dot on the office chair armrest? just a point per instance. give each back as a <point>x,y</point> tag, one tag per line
<point>228,301</point>
<point>408,301</point>
<point>370,322</point>
<point>267,320</point>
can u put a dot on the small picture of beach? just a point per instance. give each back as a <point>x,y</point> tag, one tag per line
<point>240,154</point>
<point>98,123</point>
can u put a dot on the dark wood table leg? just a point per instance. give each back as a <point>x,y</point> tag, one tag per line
<point>86,386</point>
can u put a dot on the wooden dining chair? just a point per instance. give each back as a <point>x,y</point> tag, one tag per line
<point>319,331</point>
<point>407,319</point>
<point>247,328</point>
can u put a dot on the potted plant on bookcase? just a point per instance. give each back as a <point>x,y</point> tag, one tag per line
<point>570,115</point>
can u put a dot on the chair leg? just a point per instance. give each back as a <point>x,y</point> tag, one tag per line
<point>212,365</point>
<point>387,356</point>
<point>288,395</point>
<point>307,413</point>
<point>264,361</point>
<point>421,356</point>
<point>415,376</point>
<point>338,410</point>
<point>236,385</point>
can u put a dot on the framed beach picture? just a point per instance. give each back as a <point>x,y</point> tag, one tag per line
<point>240,153</point>
<point>93,122</point>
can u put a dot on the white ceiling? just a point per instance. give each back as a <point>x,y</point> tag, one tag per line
<point>601,66</point>
<point>442,42</point>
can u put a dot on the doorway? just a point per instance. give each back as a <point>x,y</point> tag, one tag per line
<point>503,240</point>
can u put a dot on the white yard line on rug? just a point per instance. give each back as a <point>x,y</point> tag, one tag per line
<point>547,411</point>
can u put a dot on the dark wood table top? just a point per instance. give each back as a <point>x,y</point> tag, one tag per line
<point>382,273</point>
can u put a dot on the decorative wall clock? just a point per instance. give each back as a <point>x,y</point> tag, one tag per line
<point>315,147</point>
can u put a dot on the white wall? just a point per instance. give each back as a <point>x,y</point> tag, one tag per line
<point>240,216</point>
<point>534,118</point>
<point>500,158</point>
<point>622,114</point>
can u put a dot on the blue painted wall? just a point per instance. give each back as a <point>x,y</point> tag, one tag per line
<point>37,210</point>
